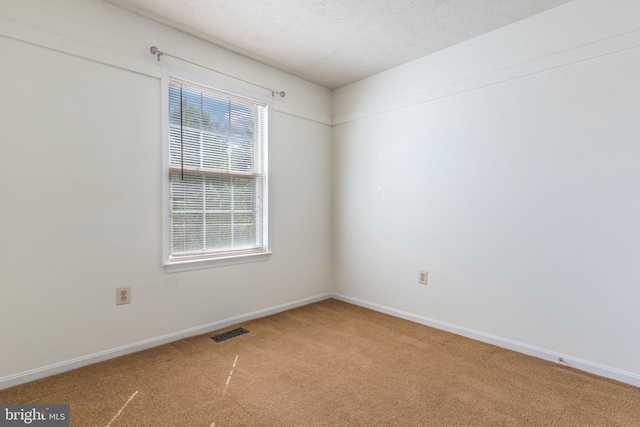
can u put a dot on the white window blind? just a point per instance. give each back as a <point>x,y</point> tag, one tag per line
<point>217,173</point>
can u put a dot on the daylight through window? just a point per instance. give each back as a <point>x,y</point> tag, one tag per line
<point>217,173</point>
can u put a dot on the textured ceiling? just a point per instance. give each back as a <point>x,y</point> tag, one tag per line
<point>335,42</point>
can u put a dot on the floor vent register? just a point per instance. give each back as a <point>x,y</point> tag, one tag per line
<point>229,334</point>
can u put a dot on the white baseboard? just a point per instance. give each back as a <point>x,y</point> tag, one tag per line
<point>68,365</point>
<point>583,365</point>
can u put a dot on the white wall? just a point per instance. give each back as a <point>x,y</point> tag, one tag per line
<point>507,166</point>
<point>81,189</point>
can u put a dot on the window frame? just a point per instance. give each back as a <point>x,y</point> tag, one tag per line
<point>231,258</point>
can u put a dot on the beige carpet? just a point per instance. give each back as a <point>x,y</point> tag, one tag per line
<point>333,364</point>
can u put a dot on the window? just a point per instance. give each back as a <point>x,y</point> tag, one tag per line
<point>216,204</point>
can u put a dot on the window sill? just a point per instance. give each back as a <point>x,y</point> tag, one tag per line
<point>200,264</point>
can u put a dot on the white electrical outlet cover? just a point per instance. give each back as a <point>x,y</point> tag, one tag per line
<point>123,295</point>
<point>423,276</point>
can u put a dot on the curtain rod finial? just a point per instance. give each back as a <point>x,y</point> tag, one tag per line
<point>281,94</point>
<point>155,51</point>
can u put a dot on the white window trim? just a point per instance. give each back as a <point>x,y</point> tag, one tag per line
<point>178,266</point>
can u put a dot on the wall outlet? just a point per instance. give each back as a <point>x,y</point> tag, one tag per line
<point>123,295</point>
<point>422,277</point>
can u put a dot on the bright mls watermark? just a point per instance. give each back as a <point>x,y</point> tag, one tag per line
<point>34,415</point>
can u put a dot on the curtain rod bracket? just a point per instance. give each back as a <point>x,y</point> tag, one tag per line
<point>155,51</point>
<point>158,53</point>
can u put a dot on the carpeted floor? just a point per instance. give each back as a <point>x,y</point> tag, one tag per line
<point>333,364</point>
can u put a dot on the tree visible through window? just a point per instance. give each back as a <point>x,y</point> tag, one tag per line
<point>216,167</point>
